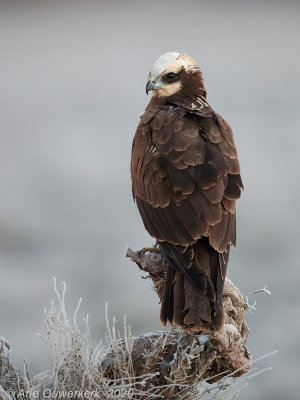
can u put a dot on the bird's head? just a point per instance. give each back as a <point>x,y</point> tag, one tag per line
<point>175,73</point>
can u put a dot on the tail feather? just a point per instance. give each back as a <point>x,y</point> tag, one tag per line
<point>166,310</point>
<point>193,289</point>
<point>178,299</point>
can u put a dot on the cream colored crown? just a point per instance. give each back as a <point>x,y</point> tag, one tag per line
<point>172,62</point>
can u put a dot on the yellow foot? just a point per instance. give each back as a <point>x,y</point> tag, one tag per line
<point>151,249</point>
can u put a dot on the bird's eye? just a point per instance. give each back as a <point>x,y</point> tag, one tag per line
<point>170,76</point>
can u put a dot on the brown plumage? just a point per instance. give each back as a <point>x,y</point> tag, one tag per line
<point>185,180</point>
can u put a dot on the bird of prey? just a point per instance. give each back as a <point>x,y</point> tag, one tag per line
<point>185,180</point>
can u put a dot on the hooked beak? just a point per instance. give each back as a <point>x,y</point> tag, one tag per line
<point>152,84</point>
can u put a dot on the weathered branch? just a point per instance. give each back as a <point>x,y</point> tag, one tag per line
<point>212,355</point>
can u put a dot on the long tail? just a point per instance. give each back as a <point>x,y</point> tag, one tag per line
<point>193,289</point>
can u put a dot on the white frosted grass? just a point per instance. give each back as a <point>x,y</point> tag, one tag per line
<point>77,364</point>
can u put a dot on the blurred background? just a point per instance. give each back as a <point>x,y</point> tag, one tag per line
<point>72,86</point>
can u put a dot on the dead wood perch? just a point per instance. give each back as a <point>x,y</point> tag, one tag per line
<point>209,355</point>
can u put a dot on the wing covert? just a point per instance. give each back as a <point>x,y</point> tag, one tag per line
<point>185,175</point>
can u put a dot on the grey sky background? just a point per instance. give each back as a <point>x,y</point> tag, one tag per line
<point>72,85</point>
